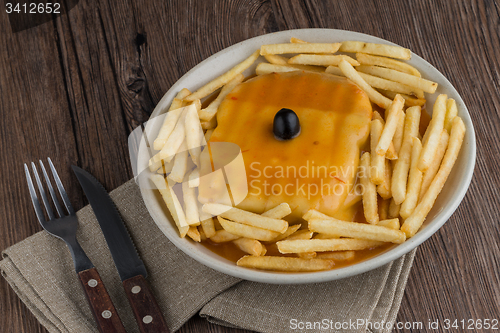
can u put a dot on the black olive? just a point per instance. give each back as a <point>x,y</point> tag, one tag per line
<point>286,125</point>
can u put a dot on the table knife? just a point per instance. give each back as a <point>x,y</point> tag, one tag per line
<point>127,261</point>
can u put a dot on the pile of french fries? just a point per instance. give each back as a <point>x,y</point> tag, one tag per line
<point>402,174</point>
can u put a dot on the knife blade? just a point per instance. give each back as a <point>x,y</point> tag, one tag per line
<point>127,261</point>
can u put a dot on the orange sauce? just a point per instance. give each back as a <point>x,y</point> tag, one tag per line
<point>334,115</point>
<point>315,170</point>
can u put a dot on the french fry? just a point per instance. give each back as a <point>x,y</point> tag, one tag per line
<point>366,59</point>
<point>246,217</point>
<point>356,230</point>
<point>166,168</point>
<point>175,139</point>
<point>180,164</point>
<point>335,70</point>
<point>376,49</point>
<point>340,255</point>
<point>370,191</point>
<point>296,40</point>
<point>223,236</point>
<point>247,231</point>
<point>391,86</point>
<point>391,151</point>
<point>416,219</point>
<point>289,231</point>
<point>392,223</point>
<point>383,209</point>
<point>314,214</point>
<point>217,225</point>
<point>276,59</point>
<point>377,162</point>
<point>265,68</point>
<point>208,135</point>
<point>414,181</point>
<point>154,166</point>
<point>208,227</point>
<point>436,162</point>
<point>451,113</point>
<point>213,85</point>
<point>203,237</point>
<point>172,202</point>
<point>321,60</point>
<point>432,134</point>
<point>409,100</point>
<point>354,76</point>
<point>196,103</point>
<point>402,166</point>
<point>170,120</point>
<point>194,178</point>
<point>391,123</point>
<point>307,255</point>
<point>299,48</point>
<point>194,133</point>
<point>210,111</point>
<point>322,245</point>
<point>167,127</point>
<point>325,236</point>
<point>285,264</point>
<point>250,246</point>
<point>384,188</point>
<point>209,124</point>
<point>300,234</point>
<point>278,212</point>
<point>391,74</point>
<point>394,209</point>
<point>398,134</point>
<point>190,205</point>
<point>194,234</point>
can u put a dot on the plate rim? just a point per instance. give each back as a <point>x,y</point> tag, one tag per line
<point>344,272</point>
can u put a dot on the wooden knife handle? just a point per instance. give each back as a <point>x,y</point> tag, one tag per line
<point>146,310</point>
<point>102,307</point>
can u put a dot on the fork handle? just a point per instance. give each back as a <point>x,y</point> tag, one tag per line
<point>146,310</point>
<point>102,307</point>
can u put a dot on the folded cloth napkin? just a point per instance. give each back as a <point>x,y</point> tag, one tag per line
<point>40,270</point>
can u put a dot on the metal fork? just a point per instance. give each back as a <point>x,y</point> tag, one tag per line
<point>64,227</point>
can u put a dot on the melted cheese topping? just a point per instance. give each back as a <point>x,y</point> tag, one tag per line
<point>315,170</point>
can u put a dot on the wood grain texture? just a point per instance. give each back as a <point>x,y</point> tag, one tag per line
<point>74,88</point>
<point>143,302</point>
<point>101,305</point>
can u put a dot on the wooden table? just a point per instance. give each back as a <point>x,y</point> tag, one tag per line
<point>74,88</point>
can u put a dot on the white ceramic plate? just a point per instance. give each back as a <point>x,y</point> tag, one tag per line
<point>447,202</point>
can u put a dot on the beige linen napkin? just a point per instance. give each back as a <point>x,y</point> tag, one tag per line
<point>40,271</point>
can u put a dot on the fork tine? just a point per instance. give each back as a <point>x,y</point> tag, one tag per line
<point>46,203</point>
<point>61,189</point>
<point>34,198</point>
<point>51,191</point>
